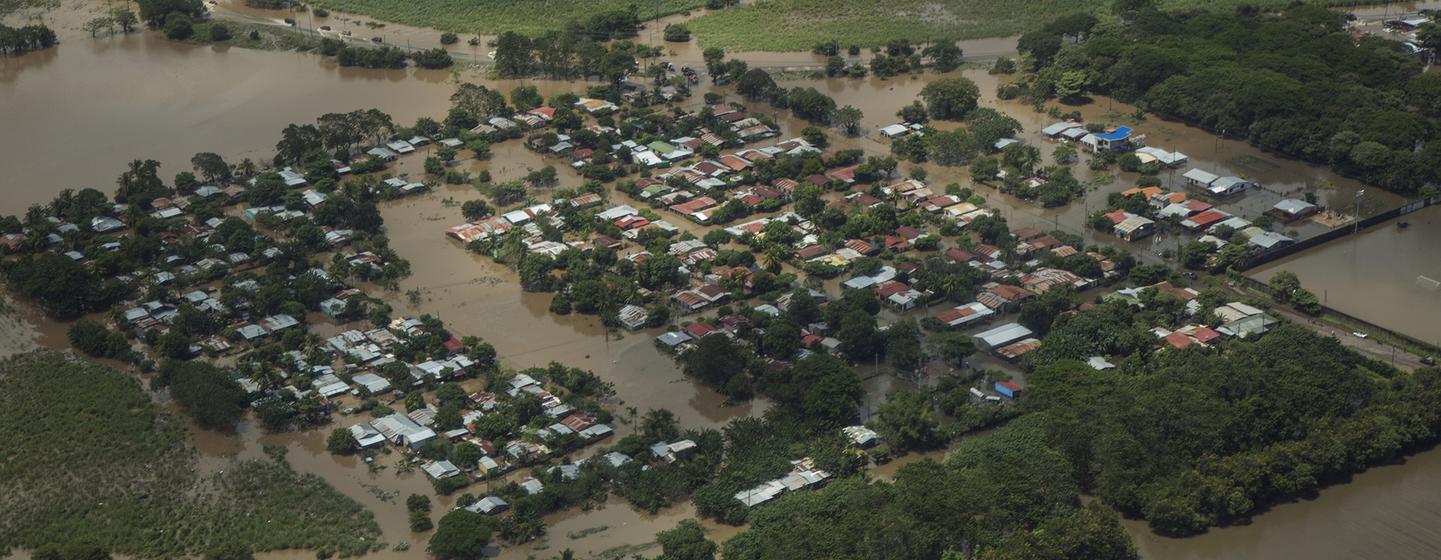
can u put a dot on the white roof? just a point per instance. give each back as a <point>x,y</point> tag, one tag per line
<point>1058,128</point>
<point>1200,176</point>
<point>1293,206</point>
<point>1002,335</point>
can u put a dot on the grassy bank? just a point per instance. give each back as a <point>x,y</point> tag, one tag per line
<point>490,17</point>
<point>89,457</point>
<point>798,25</point>
<point>253,36</point>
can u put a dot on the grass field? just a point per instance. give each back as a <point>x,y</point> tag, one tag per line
<point>490,17</point>
<point>88,457</point>
<point>797,25</point>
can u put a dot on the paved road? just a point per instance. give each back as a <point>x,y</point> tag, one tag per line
<point>1368,346</point>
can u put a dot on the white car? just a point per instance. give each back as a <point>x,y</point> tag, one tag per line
<point>1359,334</point>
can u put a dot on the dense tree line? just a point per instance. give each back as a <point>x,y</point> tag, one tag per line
<point>64,288</point>
<point>1008,495</point>
<point>1296,83</point>
<point>566,55</point>
<point>14,41</point>
<point>1193,439</point>
<point>206,392</point>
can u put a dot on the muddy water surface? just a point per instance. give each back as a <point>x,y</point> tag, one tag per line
<point>1386,513</point>
<point>85,108</point>
<point>1386,275</point>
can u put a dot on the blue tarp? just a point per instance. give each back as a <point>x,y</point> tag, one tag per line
<point>1121,133</point>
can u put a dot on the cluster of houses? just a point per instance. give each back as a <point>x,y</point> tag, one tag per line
<point>417,428</point>
<point>1204,219</point>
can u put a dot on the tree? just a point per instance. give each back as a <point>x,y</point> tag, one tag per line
<point>96,340</point>
<point>1283,284</point>
<point>125,19</point>
<point>156,12</point>
<point>687,541</point>
<point>211,397</point>
<point>715,361</point>
<point>269,189</point>
<point>210,166</point>
<point>913,113</point>
<point>945,56</point>
<point>984,169</point>
<point>339,442</point>
<point>513,56</point>
<point>950,98</point>
<point>953,346</point>
<point>1092,531</point>
<point>908,421</point>
<point>526,97</point>
<point>1042,46</point>
<point>449,38</point>
<point>219,33</point>
<point>1072,84</point>
<point>178,26</point>
<point>462,535</point>
<point>849,119</point>
<point>903,344</point>
<point>756,84</point>
<point>810,104</point>
<point>677,33</point>
<point>95,25</point>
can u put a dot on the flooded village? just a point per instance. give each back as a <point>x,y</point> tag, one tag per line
<point>767,220</point>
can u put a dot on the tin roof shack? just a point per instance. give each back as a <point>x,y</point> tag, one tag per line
<point>965,315</point>
<point>1003,335</point>
<point>633,317</point>
<point>1241,320</point>
<point>861,436</point>
<point>1135,227</point>
<point>1008,389</point>
<point>366,436</point>
<point>1292,209</point>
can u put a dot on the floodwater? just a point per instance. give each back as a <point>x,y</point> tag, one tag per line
<point>476,296</point>
<point>1386,513</point>
<point>167,101</point>
<point>1380,275</point>
<point>76,114</point>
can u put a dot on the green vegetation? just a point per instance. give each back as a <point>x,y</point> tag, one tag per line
<point>799,25</point>
<point>490,17</point>
<point>21,40</point>
<point>1305,88</point>
<point>250,36</point>
<point>90,454</point>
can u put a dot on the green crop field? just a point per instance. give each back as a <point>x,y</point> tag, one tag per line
<point>798,25</point>
<point>490,17</point>
<point>88,457</point>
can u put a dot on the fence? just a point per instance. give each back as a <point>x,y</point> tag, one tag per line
<point>1430,348</point>
<point>1337,233</point>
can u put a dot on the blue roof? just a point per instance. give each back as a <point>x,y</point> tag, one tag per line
<point>1121,133</point>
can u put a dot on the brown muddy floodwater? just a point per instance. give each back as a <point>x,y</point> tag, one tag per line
<point>476,296</point>
<point>1386,275</point>
<point>72,117</point>
<point>1386,513</point>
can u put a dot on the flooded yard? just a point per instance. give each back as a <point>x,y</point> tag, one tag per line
<point>167,101</point>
